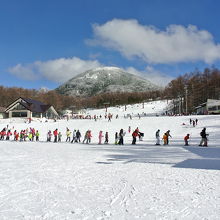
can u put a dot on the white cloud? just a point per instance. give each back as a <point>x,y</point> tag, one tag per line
<point>63,69</point>
<point>24,72</point>
<point>154,76</point>
<point>58,70</point>
<point>175,44</point>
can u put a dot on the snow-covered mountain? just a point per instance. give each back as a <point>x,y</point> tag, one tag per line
<point>103,80</point>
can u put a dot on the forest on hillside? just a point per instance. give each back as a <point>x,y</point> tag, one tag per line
<point>195,88</point>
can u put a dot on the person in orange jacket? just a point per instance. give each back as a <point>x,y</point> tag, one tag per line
<point>186,139</point>
<point>165,138</point>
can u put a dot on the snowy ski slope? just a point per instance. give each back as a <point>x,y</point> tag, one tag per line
<point>79,181</point>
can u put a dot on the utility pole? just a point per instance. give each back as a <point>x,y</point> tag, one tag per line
<point>186,91</point>
<point>179,103</point>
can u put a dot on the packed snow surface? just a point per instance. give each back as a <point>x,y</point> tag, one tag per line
<point>90,181</point>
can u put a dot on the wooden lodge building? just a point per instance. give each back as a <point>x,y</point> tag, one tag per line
<point>28,108</point>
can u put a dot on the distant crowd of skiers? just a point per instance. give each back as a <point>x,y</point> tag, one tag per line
<point>75,136</point>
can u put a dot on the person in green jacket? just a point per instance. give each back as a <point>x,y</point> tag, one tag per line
<point>37,135</point>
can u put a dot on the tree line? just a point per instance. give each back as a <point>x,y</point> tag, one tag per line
<point>194,88</point>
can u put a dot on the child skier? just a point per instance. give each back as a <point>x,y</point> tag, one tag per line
<point>186,139</point>
<point>106,137</point>
<point>100,137</point>
<point>49,134</point>
<point>116,138</point>
<point>59,136</point>
<point>37,135</point>
<point>165,137</point>
<point>68,134</point>
<point>158,137</point>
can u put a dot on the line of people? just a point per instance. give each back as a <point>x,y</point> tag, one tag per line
<point>26,134</point>
<point>31,134</point>
<point>166,136</point>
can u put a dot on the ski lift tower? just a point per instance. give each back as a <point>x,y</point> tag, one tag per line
<point>106,104</point>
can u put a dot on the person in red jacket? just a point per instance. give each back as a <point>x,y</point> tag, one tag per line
<point>3,133</point>
<point>8,135</point>
<point>134,135</point>
<point>186,139</point>
<point>55,133</point>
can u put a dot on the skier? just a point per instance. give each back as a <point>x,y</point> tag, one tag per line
<point>15,134</point>
<point>121,137</point>
<point>89,137</point>
<point>33,134</point>
<point>21,135</point>
<point>186,139</point>
<point>204,139</point>
<point>8,135</point>
<point>165,139</point>
<point>37,135</point>
<point>74,136</point>
<point>168,135</point>
<point>30,136</point>
<point>55,133</point>
<point>134,135</point>
<point>196,121</point>
<point>129,129</point>
<point>86,136</point>
<point>59,136</point>
<point>78,136</point>
<point>68,134</point>
<point>100,137</point>
<point>158,137</point>
<point>106,137</point>
<point>116,138</point>
<point>3,133</point>
<point>49,134</point>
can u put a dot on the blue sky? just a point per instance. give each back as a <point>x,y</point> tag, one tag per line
<point>44,43</point>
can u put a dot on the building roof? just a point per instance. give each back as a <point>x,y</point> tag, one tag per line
<point>30,104</point>
<point>35,106</point>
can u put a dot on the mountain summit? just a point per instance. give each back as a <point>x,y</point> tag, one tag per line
<point>103,80</point>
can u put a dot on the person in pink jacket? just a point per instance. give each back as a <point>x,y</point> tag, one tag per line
<point>100,137</point>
